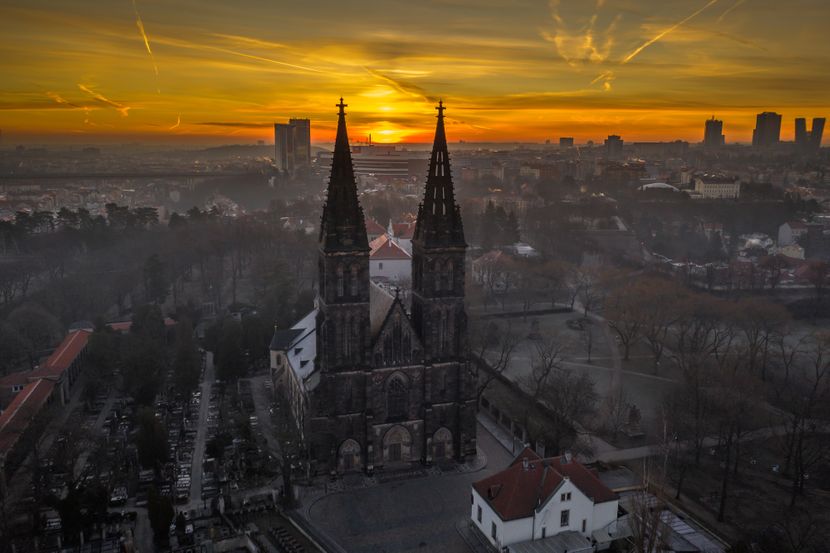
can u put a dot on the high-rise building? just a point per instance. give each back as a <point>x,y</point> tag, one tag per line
<point>809,142</point>
<point>713,134</point>
<point>566,142</point>
<point>767,129</point>
<point>292,145</point>
<point>613,147</point>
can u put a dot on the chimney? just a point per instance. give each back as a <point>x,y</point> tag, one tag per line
<point>566,458</point>
<point>524,464</point>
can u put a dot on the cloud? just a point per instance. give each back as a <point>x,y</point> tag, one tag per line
<point>238,124</point>
<point>581,43</point>
<point>121,108</point>
<point>665,32</point>
<point>606,77</point>
<point>730,9</point>
<point>178,122</point>
<point>404,87</point>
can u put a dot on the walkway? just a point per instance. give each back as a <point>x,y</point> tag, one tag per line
<point>201,433</point>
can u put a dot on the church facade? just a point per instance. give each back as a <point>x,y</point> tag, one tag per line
<point>370,384</point>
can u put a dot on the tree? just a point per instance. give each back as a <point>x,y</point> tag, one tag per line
<point>491,345</point>
<point>148,323</point>
<point>658,311</point>
<point>144,363</point>
<point>759,321</point>
<point>37,327</point>
<point>156,281</point>
<point>230,357</point>
<point>13,348</point>
<point>161,513</point>
<point>187,363</point>
<point>625,313</point>
<point>151,440</point>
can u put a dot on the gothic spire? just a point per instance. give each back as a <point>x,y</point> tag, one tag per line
<point>342,226</point>
<point>439,218</point>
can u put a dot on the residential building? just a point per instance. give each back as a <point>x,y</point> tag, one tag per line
<point>389,261</point>
<point>790,232</point>
<point>540,500</point>
<point>809,142</point>
<point>292,145</point>
<point>613,147</point>
<point>721,188</point>
<point>566,142</point>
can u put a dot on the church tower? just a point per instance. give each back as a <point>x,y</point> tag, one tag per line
<point>438,249</point>
<point>343,269</point>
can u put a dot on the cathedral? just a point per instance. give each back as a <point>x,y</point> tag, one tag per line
<point>371,384</point>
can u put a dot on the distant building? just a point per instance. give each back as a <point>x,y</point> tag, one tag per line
<point>790,232</point>
<point>613,147</point>
<point>713,134</point>
<point>292,145</point>
<point>809,142</point>
<point>556,502</point>
<point>566,142</point>
<point>388,260</point>
<point>717,188</point>
<point>767,129</point>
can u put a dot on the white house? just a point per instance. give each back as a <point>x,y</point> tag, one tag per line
<point>789,232</point>
<point>556,499</point>
<point>388,260</point>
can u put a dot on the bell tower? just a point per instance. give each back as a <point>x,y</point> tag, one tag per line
<point>343,266</point>
<point>438,249</point>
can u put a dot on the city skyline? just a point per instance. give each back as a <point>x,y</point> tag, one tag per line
<point>209,73</point>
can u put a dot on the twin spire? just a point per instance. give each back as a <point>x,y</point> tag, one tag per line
<point>343,227</point>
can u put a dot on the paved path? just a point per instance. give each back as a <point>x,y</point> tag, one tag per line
<point>262,405</point>
<point>95,432</point>
<point>201,434</point>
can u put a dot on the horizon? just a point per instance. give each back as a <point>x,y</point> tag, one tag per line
<point>649,71</point>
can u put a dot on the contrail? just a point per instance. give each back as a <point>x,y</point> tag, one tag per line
<point>178,122</point>
<point>57,98</point>
<point>649,42</point>
<point>122,109</point>
<point>729,10</point>
<point>140,25</point>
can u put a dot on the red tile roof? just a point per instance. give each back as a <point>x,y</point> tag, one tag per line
<point>64,355</point>
<point>516,492</point>
<point>384,248</point>
<point>373,227</point>
<point>17,378</point>
<point>404,230</point>
<point>16,418</point>
<point>125,326</point>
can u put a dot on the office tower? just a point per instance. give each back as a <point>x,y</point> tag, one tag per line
<point>713,134</point>
<point>808,142</point>
<point>566,142</point>
<point>767,129</point>
<point>613,147</point>
<point>292,145</point>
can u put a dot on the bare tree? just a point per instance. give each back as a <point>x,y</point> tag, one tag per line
<point>491,348</point>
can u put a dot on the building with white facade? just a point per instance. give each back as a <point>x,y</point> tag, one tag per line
<point>556,500</point>
<point>388,260</point>
<point>717,188</point>
<point>789,232</point>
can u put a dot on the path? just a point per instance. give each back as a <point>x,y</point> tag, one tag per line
<point>201,432</point>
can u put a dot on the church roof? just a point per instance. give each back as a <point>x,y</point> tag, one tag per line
<point>282,339</point>
<point>380,302</point>
<point>439,217</point>
<point>299,344</point>
<point>342,225</point>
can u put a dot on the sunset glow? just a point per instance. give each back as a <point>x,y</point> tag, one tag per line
<point>210,71</point>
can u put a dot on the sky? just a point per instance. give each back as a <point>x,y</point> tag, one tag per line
<point>216,71</point>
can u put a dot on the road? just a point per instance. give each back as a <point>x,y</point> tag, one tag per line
<point>201,436</point>
<point>262,405</point>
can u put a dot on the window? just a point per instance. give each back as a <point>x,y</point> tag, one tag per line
<point>354,280</point>
<point>394,452</point>
<point>544,532</point>
<point>565,497</point>
<point>584,522</point>
<point>564,518</point>
<point>339,281</point>
<point>478,513</point>
<point>450,277</point>
<point>17,388</point>
<point>380,265</point>
<point>396,399</point>
<point>437,276</point>
<point>493,531</point>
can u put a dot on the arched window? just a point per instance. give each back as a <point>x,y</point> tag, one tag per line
<point>450,276</point>
<point>340,281</point>
<point>396,398</point>
<point>354,280</point>
<point>347,333</point>
<point>437,274</point>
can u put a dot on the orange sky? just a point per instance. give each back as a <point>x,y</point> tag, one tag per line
<point>217,71</point>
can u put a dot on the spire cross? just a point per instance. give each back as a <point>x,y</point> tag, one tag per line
<point>341,105</point>
<point>440,108</point>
